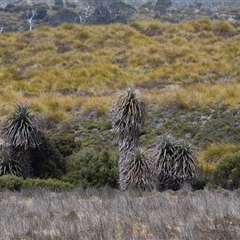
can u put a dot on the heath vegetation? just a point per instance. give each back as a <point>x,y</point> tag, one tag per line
<point>181,132</point>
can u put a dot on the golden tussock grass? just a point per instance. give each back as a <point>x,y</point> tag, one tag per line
<point>215,152</point>
<point>196,96</point>
<point>200,57</point>
<point>210,157</point>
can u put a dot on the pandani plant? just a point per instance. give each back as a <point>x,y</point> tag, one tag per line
<point>137,172</point>
<point>128,116</point>
<point>8,165</point>
<point>21,136</point>
<point>175,163</point>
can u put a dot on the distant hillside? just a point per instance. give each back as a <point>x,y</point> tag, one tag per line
<point>134,3</point>
<point>27,15</point>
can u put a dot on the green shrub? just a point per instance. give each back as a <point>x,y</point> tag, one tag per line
<point>47,160</point>
<point>65,144</point>
<point>58,2</point>
<point>227,172</point>
<point>10,182</point>
<point>52,184</point>
<point>92,167</point>
<point>41,13</point>
<point>16,183</point>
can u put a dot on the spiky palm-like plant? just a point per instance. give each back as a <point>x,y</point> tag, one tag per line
<point>137,172</point>
<point>21,135</point>
<point>8,165</point>
<point>21,129</point>
<point>128,115</point>
<point>175,163</point>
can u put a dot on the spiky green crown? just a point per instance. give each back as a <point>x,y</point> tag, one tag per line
<point>21,130</point>
<point>128,113</point>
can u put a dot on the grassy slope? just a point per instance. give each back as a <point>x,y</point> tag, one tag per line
<point>188,73</point>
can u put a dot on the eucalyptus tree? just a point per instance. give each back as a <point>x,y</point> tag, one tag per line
<point>128,116</point>
<point>21,136</point>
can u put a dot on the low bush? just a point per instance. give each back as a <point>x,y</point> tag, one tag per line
<point>92,167</point>
<point>47,160</point>
<point>227,172</point>
<point>66,144</point>
<point>12,182</point>
<point>52,184</point>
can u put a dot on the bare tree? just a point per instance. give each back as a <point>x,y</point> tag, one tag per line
<point>30,16</point>
<point>84,13</point>
<point>3,5</point>
<point>1,30</point>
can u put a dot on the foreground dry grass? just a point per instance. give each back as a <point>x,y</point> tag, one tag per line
<point>110,214</point>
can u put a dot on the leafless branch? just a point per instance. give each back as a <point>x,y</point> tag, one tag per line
<point>30,18</point>
<point>1,30</point>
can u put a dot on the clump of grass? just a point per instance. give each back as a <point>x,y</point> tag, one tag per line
<point>215,152</point>
<point>57,116</point>
<point>221,27</point>
<point>99,105</point>
<point>202,25</point>
<point>206,167</point>
<point>197,96</point>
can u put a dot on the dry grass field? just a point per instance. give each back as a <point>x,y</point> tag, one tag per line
<point>110,214</point>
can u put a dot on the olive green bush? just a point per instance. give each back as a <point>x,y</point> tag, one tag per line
<point>48,162</point>
<point>227,172</point>
<point>12,182</point>
<point>65,144</point>
<point>92,167</point>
